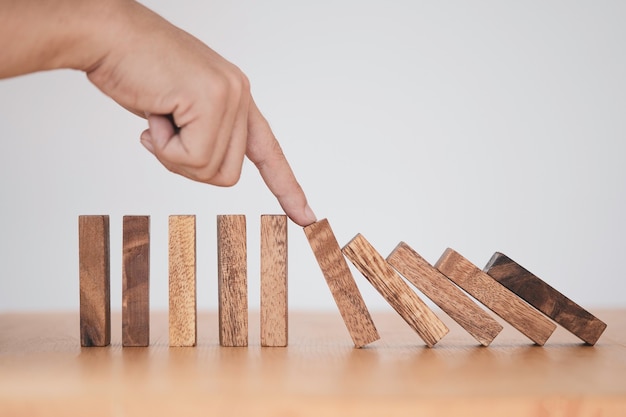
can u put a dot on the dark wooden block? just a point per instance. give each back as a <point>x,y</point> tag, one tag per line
<point>545,298</point>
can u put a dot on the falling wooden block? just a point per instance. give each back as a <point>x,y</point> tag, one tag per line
<point>495,296</point>
<point>136,281</point>
<point>341,283</point>
<point>395,290</point>
<point>94,280</point>
<point>182,281</point>
<point>232,279</point>
<point>274,329</point>
<point>434,285</point>
<point>546,299</point>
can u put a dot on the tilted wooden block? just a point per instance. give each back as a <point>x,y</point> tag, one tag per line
<point>341,283</point>
<point>94,280</point>
<point>495,296</point>
<point>434,285</point>
<point>182,281</point>
<point>232,279</point>
<point>136,281</point>
<point>546,299</point>
<point>395,290</point>
<point>274,318</point>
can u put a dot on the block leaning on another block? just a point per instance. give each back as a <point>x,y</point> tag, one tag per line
<point>495,296</point>
<point>546,299</point>
<point>274,329</point>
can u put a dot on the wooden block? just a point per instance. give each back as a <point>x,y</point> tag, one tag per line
<point>544,298</point>
<point>232,279</point>
<point>434,285</point>
<point>94,277</point>
<point>182,281</point>
<point>274,328</point>
<point>395,290</point>
<point>341,283</point>
<point>495,297</point>
<point>136,281</point>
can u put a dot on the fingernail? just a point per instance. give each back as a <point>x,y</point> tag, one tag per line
<point>309,214</point>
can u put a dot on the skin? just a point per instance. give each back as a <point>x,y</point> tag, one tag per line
<point>159,72</point>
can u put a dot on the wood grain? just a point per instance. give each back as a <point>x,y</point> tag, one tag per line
<point>136,281</point>
<point>94,280</point>
<point>495,297</point>
<point>182,281</point>
<point>545,298</point>
<point>274,312</point>
<point>341,283</point>
<point>393,288</point>
<point>232,278</point>
<point>436,286</point>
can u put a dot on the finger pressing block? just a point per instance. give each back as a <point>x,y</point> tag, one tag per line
<point>393,288</point>
<point>495,296</point>
<point>341,283</point>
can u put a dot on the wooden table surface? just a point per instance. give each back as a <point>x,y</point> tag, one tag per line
<point>44,371</point>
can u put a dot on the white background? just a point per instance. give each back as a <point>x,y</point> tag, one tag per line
<point>482,125</point>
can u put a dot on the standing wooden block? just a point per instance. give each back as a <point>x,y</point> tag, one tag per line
<point>274,280</point>
<point>341,283</point>
<point>136,281</point>
<point>495,296</point>
<point>182,280</point>
<point>94,277</point>
<point>393,288</point>
<point>232,279</point>
<point>434,285</point>
<point>544,298</point>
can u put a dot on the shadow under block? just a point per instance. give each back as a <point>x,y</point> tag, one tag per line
<point>274,327</point>
<point>341,283</point>
<point>436,286</point>
<point>136,281</point>
<point>94,280</point>
<point>395,290</point>
<point>182,281</point>
<point>544,298</point>
<point>495,296</point>
<point>232,279</point>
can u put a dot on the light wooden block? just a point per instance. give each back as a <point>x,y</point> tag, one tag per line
<point>434,285</point>
<point>395,290</point>
<point>232,278</point>
<point>274,318</point>
<point>136,281</point>
<point>545,298</point>
<point>341,283</point>
<point>94,280</point>
<point>495,297</point>
<point>182,281</point>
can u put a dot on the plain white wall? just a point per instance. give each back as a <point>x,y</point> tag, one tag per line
<point>482,125</point>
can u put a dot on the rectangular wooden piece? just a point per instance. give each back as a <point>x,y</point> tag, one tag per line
<point>495,297</point>
<point>182,281</point>
<point>436,286</point>
<point>94,280</point>
<point>274,316</point>
<point>136,281</point>
<point>232,279</point>
<point>545,298</point>
<point>341,283</point>
<point>395,290</point>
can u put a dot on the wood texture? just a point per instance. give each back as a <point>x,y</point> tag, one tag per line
<point>94,280</point>
<point>495,296</point>
<point>393,288</point>
<point>545,298</point>
<point>341,283</point>
<point>232,278</point>
<point>136,281</point>
<point>274,312</point>
<point>434,285</point>
<point>182,281</point>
